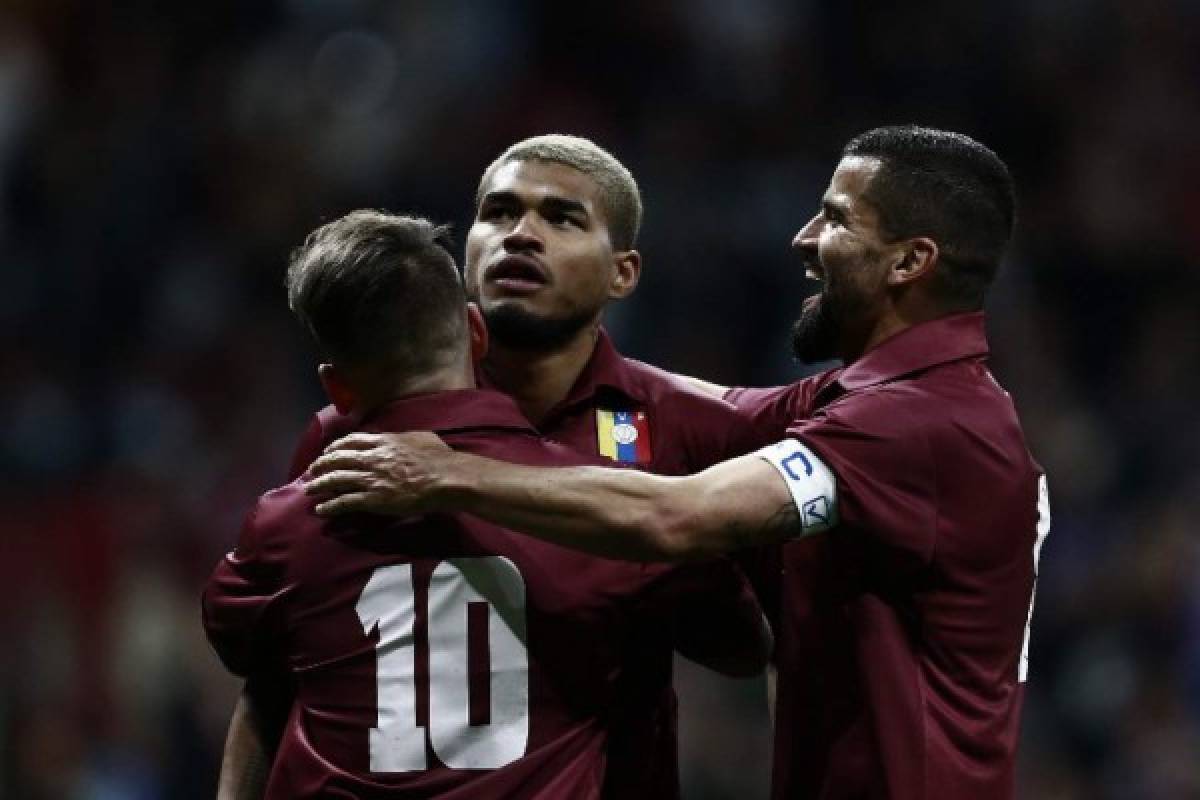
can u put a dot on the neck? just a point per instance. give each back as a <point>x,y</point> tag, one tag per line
<point>540,381</point>
<point>898,318</point>
<point>456,376</point>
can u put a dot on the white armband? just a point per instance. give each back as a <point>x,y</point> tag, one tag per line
<point>812,484</point>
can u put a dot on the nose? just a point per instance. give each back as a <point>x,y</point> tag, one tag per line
<point>806,238</point>
<point>524,237</point>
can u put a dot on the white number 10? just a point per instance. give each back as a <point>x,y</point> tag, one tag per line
<point>388,602</point>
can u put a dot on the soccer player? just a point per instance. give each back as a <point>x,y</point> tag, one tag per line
<point>435,656</point>
<point>910,512</point>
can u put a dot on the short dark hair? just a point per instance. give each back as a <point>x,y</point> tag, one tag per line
<point>949,187</point>
<point>618,190</point>
<point>379,291</point>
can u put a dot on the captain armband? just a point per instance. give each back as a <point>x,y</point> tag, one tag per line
<point>812,484</point>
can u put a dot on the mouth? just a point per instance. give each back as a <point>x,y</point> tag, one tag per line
<point>516,273</point>
<point>811,261</point>
<point>813,269</point>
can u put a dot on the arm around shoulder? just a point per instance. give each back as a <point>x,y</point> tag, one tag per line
<point>615,513</point>
<point>743,502</point>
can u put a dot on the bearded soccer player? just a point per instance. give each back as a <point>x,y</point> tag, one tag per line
<point>553,242</point>
<point>437,656</point>
<point>908,511</point>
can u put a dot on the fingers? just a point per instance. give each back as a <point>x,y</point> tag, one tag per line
<point>355,460</point>
<point>340,482</point>
<point>349,503</point>
<point>356,441</point>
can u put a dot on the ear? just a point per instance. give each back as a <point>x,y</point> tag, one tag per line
<point>337,389</point>
<point>477,330</point>
<point>917,259</point>
<point>627,270</point>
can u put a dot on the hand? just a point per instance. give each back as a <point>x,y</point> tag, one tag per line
<point>381,473</point>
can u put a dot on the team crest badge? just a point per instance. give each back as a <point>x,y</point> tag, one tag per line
<point>623,435</point>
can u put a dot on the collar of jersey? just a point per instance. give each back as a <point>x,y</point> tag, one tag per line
<point>606,371</point>
<point>918,348</point>
<point>448,411</point>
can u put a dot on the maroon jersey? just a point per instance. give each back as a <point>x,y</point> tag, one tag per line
<point>687,432</point>
<point>902,630</point>
<point>437,656</point>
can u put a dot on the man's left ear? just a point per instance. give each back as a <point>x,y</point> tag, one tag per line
<point>626,273</point>
<point>917,260</point>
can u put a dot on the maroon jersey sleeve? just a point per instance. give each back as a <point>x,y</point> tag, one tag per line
<point>770,412</point>
<point>240,604</point>
<point>886,480</point>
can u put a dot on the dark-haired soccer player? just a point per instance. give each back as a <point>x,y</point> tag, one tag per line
<point>436,656</point>
<point>553,242</point>
<point>904,624</point>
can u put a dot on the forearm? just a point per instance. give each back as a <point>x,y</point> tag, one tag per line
<point>246,763</point>
<point>253,738</point>
<point>608,512</point>
<point>617,513</point>
<point>743,502</point>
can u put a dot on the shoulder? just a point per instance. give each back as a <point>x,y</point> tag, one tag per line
<point>327,422</point>
<point>324,426</point>
<point>276,521</point>
<point>945,415</point>
<point>951,400</point>
<point>901,408</point>
<point>518,447</point>
<point>667,390</point>
<point>878,434</point>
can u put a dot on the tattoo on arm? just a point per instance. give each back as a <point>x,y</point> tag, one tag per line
<point>783,524</point>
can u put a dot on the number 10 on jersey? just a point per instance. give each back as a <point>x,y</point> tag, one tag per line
<point>388,602</point>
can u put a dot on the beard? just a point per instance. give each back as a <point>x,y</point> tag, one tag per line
<point>517,329</point>
<point>816,331</point>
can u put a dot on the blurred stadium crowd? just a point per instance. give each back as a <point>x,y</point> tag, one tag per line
<point>158,161</point>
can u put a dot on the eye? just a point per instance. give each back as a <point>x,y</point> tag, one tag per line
<point>494,212</point>
<point>561,219</point>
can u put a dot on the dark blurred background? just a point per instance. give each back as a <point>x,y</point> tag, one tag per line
<point>158,160</point>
